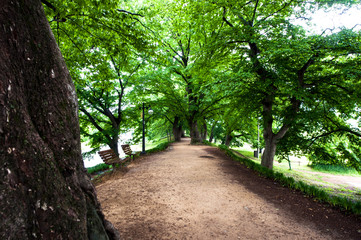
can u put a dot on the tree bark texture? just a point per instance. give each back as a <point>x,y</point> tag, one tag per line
<point>113,144</point>
<point>177,129</point>
<point>228,139</point>
<point>194,132</point>
<point>45,192</point>
<point>204,131</point>
<point>212,132</point>
<point>269,152</point>
<point>269,136</point>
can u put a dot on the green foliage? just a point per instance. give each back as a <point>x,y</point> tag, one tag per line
<point>221,64</point>
<point>105,48</point>
<point>288,76</point>
<point>182,84</point>
<point>219,131</point>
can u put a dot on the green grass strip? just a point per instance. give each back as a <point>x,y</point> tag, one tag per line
<point>160,147</point>
<point>336,169</point>
<point>98,168</point>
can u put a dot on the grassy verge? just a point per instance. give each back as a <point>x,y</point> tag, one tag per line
<point>340,170</point>
<point>98,168</point>
<point>159,147</point>
<point>309,190</point>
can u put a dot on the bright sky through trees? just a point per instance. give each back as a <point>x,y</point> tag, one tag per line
<point>336,19</point>
<point>333,18</point>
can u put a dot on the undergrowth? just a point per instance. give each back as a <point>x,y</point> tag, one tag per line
<point>309,190</point>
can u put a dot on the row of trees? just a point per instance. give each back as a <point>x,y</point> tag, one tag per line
<point>209,66</point>
<point>213,67</point>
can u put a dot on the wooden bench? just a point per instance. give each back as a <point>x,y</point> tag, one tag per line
<point>109,157</point>
<point>128,151</point>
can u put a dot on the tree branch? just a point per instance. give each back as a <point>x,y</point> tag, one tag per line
<point>254,13</point>
<point>127,12</point>
<point>224,18</point>
<point>49,5</point>
<point>95,124</point>
<point>314,139</point>
<point>284,6</point>
<point>302,71</point>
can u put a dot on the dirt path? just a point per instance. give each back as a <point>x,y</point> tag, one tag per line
<point>196,192</point>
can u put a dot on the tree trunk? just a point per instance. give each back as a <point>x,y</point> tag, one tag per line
<point>270,138</point>
<point>228,140</point>
<point>204,131</point>
<point>45,191</point>
<point>113,144</point>
<point>183,134</point>
<point>169,136</point>
<point>177,129</point>
<point>211,137</point>
<point>212,132</point>
<point>194,132</point>
<point>269,152</point>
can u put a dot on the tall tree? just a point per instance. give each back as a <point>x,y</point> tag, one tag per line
<point>45,190</point>
<point>288,71</point>
<point>180,38</point>
<point>166,96</point>
<point>101,44</point>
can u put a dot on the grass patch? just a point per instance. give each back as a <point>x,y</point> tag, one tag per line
<point>158,148</point>
<point>246,153</point>
<point>334,169</point>
<point>310,190</point>
<point>98,168</point>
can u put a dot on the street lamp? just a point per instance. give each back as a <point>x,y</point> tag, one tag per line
<point>150,111</point>
<point>258,152</point>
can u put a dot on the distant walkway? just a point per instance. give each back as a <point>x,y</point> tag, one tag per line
<point>196,192</point>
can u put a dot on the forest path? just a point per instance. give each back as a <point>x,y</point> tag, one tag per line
<point>197,192</point>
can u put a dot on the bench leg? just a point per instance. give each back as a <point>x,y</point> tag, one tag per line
<point>113,166</point>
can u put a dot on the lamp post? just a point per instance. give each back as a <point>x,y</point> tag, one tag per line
<point>258,152</point>
<point>150,111</point>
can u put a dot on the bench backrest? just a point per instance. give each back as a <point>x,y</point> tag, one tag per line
<point>108,155</point>
<point>126,149</point>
